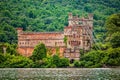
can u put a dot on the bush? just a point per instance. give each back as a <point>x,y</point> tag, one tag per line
<point>64,62</point>
<point>10,48</point>
<point>2,58</point>
<point>39,52</point>
<point>16,62</point>
<point>115,40</point>
<point>113,56</point>
<point>93,59</point>
<point>82,63</point>
<point>88,64</point>
<point>76,63</point>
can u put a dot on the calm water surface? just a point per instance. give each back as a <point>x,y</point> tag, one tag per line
<point>59,73</point>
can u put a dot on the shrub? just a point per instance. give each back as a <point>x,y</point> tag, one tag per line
<point>113,56</point>
<point>76,63</point>
<point>17,62</point>
<point>39,52</point>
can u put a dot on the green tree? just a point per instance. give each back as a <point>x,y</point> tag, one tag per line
<point>48,62</point>
<point>2,58</point>
<point>113,30</point>
<point>7,33</point>
<point>77,63</point>
<point>31,14</point>
<point>60,62</point>
<point>64,62</point>
<point>113,23</point>
<point>16,62</point>
<point>93,59</point>
<point>115,40</point>
<point>10,48</point>
<point>113,57</point>
<point>39,52</point>
<point>56,60</point>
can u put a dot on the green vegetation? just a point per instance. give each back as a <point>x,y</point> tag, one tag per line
<point>41,59</point>
<point>7,33</point>
<point>39,52</point>
<point>10,49</point>
<point>11,59</point>
<point>115,39</point>
<point>52,15</point>
<point>109,55</point>
<point>65,40</point>
<point>113,24</point>
<point>100,58</point>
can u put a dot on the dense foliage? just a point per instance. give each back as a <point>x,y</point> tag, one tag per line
<point>39,52</point>
<point>10,49</point>
<point>7,33</point>
<point>39,59</point>
<point>52,62</point>
<point>51,15</point>
<point>113,24</point>
<point>115,39</point>
<point>13,61</point>
<point>42,60</point>
<point>109,55</point>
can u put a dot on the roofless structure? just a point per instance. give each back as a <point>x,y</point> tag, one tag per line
<point>78,35</point>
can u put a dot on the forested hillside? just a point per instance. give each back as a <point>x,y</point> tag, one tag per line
<point>50,15</point>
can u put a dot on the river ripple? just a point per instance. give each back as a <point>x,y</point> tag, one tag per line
<point>59,73</point>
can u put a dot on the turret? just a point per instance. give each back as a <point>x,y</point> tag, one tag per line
<point>90,22</point>
<point>19,31</point>
<point>90,16</point>
<point>73,20</point>
<point>70,17</point>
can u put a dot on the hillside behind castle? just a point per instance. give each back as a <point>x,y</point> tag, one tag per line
<point>51,15</point>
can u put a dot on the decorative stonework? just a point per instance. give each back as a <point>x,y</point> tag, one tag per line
<point>78,33</point>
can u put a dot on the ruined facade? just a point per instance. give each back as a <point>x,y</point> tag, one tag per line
<point>78,36</point>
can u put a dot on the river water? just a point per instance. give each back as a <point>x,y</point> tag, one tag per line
<point>59,73</point>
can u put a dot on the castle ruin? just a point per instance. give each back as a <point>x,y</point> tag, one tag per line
<point>78,36</point>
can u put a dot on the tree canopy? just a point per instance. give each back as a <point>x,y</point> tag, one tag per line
<point>113,23</point>
<point>39,52</point>
<point>113,29</point>
<point>51,15</point>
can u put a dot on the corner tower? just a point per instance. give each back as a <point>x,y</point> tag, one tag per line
<point>79,35</point>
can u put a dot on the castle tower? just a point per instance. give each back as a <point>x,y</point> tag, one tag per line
<point>79,35</point>
<point>90,25</point>
<point>70,17</point>
<point>19,31</point>
<point>73,20</point>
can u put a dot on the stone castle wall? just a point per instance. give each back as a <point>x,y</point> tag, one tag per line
<point>28,40</point>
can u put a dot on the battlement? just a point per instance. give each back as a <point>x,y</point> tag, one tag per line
<point>76,21</point>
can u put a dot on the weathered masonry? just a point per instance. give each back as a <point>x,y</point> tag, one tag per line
<point>78,36</point>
